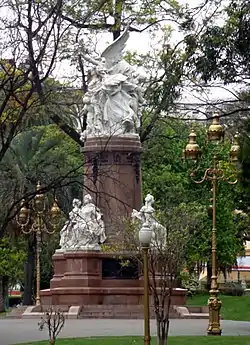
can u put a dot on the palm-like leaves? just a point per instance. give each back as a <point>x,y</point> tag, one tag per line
<point>39,153</point>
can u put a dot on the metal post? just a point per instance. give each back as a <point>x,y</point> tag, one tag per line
<point>147,337</point>
<point>38,264</point>
<point>214,303</point>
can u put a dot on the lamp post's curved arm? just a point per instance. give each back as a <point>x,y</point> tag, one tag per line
<point>50,232</point>
<point>205,176</point>
<point>209,174</point>
<point>230,182</point>
<point>26,232</point>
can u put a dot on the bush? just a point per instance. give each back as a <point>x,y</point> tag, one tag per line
<point>189,282</point>
<point>53,319</point>
<point>232,289</point>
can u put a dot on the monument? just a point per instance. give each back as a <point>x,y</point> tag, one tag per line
<point>112,145</point>
<point>84,275</point>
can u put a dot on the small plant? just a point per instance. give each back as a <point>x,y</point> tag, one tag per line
<point>189,282</point>
<point>54,320</point>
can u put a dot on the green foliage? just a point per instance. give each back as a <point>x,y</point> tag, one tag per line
<point>222,52</point>
<point>189,282</point>
<point>41,153</point>
<point>12,259</point>
<point>162,169</point>
<point>48,249</point>
<point>166,176</point>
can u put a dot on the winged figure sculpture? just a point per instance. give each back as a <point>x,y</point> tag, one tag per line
<point>114,95</point>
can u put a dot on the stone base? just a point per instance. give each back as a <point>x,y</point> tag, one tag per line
<point>78,281</point>
<point>113,178</point>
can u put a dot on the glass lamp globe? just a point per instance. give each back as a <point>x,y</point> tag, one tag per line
<point>145,235</point>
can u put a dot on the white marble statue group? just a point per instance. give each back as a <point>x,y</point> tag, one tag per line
<point>114,96</point>
<point>85,228</point>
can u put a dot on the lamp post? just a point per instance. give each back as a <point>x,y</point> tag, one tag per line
<point>215,133</point>
<point>37,225</point>
<point>145,235</point>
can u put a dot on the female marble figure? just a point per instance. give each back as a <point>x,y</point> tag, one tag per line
<point>67,236</point>
<point>90,228</point>
<point>115,95</point>
<point>85,228</point>
<point>146,215</point>
<point>118,105</point>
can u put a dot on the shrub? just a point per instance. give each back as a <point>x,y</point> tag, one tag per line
<point>189,282</point>
<point>54,320</point>
<point>232,289</point>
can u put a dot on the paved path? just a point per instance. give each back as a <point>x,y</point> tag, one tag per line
<point>14,331</point>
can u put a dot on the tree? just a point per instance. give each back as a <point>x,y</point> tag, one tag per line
<point>166,176</point>
<point>224,49</point>
<point>219,55</point>
<point>42,153</point>
<point>166,72</point>
<point>163,172</point>
<point>12,258</point>
<point>34,35</point>
<point>167,258</point>
<point>166,261</point>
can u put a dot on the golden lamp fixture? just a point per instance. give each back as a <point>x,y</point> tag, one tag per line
<point>215,132</point>
<point>192,150</point>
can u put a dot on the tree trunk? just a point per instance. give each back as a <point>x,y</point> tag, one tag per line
<point>116,29</point>
<point>162,322</point>
<point>2,308</point>
<point>6,291</point>
<point>161,331</point>
<point>29,273</point>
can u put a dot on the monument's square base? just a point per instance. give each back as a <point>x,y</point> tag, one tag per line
<point>86,279</point>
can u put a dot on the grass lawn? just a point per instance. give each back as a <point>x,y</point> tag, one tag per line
<point>233,307</point>
<point>139,341</point>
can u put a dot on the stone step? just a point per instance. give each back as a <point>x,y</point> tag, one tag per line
<point>16,313</point>
<point>116,312</point>
<point>197,316</point>
<point>112,307</point>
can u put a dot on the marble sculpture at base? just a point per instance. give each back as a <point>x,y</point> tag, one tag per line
<point>85,228</point>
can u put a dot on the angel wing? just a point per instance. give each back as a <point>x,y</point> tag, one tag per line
<point>115,49</point>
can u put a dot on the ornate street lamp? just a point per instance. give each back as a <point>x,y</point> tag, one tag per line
<point>37,225</point>
<point>215,134</point>
<point>145,235</point>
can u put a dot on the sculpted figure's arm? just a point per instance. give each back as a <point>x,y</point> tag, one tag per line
<point>137,215</point>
